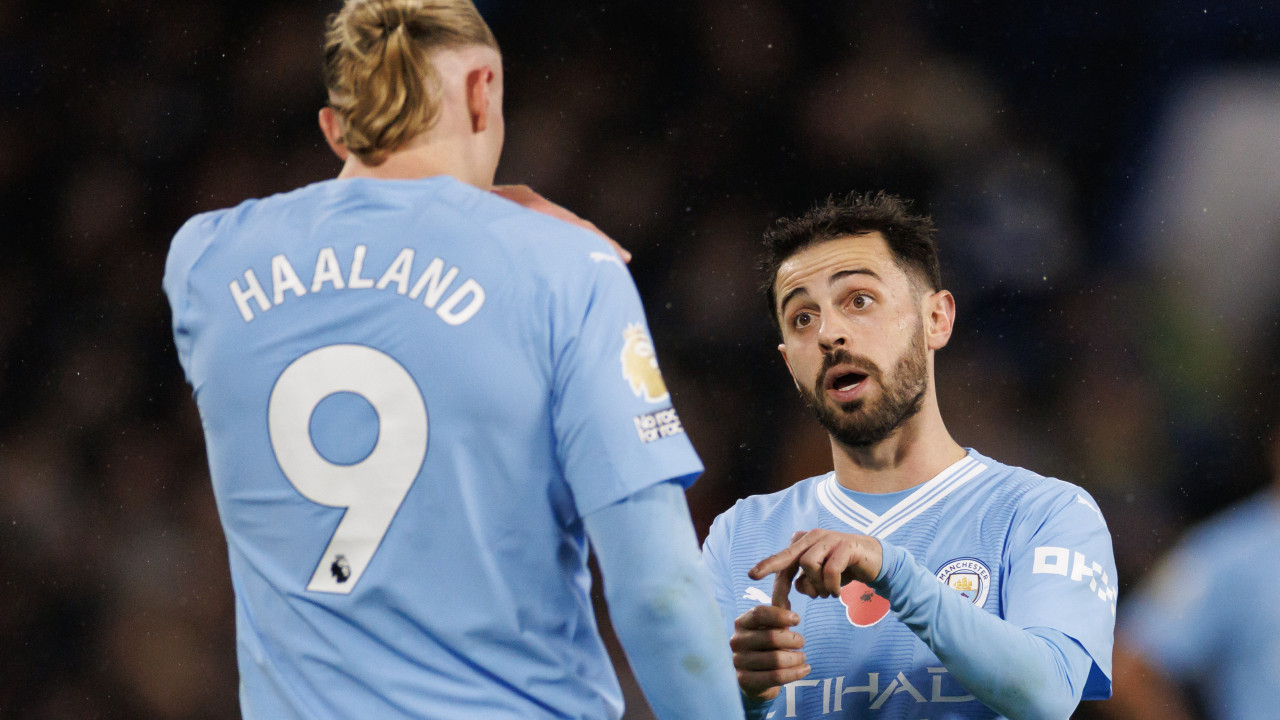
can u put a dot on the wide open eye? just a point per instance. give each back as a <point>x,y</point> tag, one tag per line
<point>861,301</point>
<point>801,320</point>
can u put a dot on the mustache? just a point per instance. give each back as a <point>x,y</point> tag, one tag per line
<point>840,356</point>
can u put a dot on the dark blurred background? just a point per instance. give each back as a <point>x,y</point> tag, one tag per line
<point>1105,176</point>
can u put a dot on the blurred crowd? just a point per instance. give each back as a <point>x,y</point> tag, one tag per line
<point>1105,177</point>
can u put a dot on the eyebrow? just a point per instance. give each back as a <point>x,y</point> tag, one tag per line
<point>830,281</point>
<point>787,298</point>
<point>856,271</point>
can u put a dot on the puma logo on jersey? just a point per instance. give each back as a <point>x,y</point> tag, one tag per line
<point>606,257</point>
<point>1080,499</point>
<point>755,593</point>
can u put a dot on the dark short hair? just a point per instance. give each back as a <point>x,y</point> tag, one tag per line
<point>910,236</point>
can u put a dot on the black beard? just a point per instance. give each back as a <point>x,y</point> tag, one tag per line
<point>859,425</point>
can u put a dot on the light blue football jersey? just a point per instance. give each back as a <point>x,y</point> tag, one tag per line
<point>1032,550</point>
<point>1210,614</point>
<point>412,392</point>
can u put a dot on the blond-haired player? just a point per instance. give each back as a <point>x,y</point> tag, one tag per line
<point>420,399</point>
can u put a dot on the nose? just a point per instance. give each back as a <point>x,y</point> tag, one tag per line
<point>832,333</point>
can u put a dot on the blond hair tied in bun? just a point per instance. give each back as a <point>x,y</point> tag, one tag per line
<point>377,67</point>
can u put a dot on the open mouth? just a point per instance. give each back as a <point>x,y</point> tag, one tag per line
<point>845,381</point>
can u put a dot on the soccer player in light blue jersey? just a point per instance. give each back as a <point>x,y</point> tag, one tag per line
<point>918,579</point>
<point>1208,619</point>
<point>420,400</point>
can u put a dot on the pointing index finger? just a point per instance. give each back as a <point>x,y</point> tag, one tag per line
<point>782,586</point>
<point>786,564</point>
<point>771,564</point>
<point>781,559</point>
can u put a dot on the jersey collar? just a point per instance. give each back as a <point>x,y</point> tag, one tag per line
<point>858,517</point>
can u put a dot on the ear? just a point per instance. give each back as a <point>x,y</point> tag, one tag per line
<point>478,97</point>
<point>940,318</point>
<point>782,348</point>
<point>332,130</point>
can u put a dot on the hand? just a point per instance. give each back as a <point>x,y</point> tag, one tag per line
<point>765,653</point>
<point>829,561</point>
<point>525,195</point>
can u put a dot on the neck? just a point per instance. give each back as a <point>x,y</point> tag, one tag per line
<point>914,453</point>
<point>421,160</point>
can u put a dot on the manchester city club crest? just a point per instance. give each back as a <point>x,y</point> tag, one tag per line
<point>969,577</point>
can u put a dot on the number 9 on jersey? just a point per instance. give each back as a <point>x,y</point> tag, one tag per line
<point>370,490</point>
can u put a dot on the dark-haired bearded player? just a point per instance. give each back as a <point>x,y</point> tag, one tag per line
<point>933,582</point>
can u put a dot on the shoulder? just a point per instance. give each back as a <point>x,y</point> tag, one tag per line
<point>1036,497</point>
<point>754,513</point>
<point>788,499</point>
<point>189,243</point>
<point>1224,550</point>
<point>535,235</point>
<point>197,231</point>
<point>1253,523</point>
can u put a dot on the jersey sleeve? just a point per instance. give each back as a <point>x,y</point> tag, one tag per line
<point>715,552</point>
<point>1019,672</point>
<point>1061,575</point>
<point>616,429</point>
<point>648,558</point>
<point>188,245</point>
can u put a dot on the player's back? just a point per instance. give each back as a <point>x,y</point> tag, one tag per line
<point>379,370</point>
